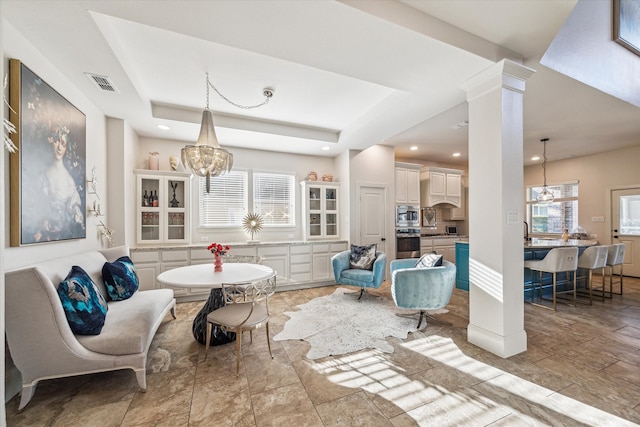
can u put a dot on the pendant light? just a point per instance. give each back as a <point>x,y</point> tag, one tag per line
<point>545,197</point>
<point>206,158</point>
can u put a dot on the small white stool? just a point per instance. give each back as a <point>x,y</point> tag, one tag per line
<point>557,260</point>
<point>593,258</point>
<point>615,258</point>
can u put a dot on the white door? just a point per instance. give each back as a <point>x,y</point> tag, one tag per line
<point>625,227</point>
<point>373,218</point>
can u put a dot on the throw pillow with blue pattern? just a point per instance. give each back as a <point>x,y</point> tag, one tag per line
<point>120,278</point>
<point>362,257</point>
<point>84,305</point>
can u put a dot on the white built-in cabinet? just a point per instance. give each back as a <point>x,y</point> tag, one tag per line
<point>320,209</point>
<point>166,221</point>
<point>408,184</point>
<point>440,185</point>
<point>298,264</point>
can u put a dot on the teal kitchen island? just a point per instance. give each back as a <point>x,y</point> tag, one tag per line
<point>534,249</point>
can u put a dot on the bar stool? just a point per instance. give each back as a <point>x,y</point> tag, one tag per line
<point>593,258</point>
<point>615,257</point>
<point>557,260</point>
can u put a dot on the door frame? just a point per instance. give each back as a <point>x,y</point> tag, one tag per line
<point>390,209</point>
<point>609,216</point>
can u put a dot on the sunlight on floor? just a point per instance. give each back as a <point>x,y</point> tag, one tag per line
<point>457,389</point>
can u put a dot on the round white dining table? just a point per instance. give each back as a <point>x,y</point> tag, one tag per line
<point>203,276</point>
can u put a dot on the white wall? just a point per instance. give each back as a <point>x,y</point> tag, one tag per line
<point>15,46</point>
<point>598,174</point>
<point>373,166</point>
<point>244,159</point>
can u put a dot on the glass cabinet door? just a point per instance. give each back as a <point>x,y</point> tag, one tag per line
<point>149,210</point>
<point>162,206</point>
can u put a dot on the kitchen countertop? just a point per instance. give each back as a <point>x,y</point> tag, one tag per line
<point>444,236</point>
<point>546,243</point>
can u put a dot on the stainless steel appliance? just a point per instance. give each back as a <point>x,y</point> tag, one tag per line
<point>407,216</point>
<point>407,243</point>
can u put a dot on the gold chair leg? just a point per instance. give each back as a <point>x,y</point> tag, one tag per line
<point>238,349</point>
<point>554,291</point>
<point>268,340</point>
<point>207,341</point>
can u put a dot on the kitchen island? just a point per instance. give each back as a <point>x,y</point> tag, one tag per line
<point>534,249</point>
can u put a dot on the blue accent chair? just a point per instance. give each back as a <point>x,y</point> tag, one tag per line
<point>345,275</point>
<point>421,289</point>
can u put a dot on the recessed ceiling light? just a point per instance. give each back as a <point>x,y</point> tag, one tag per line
<point>534,158</point>
<point>163,127</point>
<point>413,148</point>
<point>456,154</point>
<point>325,148</point>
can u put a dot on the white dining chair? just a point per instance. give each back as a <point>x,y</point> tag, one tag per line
<point>557,260</point>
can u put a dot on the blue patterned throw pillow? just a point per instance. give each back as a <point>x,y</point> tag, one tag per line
<point>362,257</point>
<point>83,304</point>
<point>120,278</point>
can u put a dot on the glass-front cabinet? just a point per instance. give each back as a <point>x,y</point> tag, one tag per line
<point>162,206</point>
<point>320,216</point>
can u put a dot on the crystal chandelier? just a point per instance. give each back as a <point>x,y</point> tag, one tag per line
<point>207,158</point>
<point>545,197</point>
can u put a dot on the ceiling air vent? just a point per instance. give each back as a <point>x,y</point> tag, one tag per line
<point>102,82</point>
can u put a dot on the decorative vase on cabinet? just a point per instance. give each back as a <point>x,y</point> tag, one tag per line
<point>320,209</point>
<point>162,201</point>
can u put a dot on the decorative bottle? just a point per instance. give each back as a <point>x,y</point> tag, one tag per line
<point>145,199</point>
<point>155,199</point>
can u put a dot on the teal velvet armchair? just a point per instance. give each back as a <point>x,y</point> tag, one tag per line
<point>421,289</point>
<point>345,275</point>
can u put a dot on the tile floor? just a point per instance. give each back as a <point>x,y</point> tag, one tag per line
<point>582,368</point>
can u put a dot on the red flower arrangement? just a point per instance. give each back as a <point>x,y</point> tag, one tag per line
<point>218,249</point>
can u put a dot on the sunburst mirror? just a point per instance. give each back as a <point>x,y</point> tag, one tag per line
<point>252,223</point>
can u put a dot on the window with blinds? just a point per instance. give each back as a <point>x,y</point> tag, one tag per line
<point>227,202</point>
<point>274,198</point>
<point>553,217</point>
<point>229,199</point>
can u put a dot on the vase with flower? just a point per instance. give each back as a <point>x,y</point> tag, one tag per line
<point>218,251</point>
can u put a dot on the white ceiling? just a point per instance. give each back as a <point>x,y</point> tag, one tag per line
<point>345,74</point>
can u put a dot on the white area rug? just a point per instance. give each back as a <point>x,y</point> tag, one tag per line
<point>339,324</point>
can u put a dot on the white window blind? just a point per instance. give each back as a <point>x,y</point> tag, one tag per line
<point>226,203</point>
<point>274,198</point>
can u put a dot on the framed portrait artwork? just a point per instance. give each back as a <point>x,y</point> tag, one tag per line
<point>626,24</point>
<point>48,195</point>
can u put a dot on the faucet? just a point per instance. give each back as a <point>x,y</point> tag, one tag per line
<point>526,231</point>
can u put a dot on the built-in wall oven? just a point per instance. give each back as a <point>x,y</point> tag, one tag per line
<point>407,243</point>
<point>407,216</point>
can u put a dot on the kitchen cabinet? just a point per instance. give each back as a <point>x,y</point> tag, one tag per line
<point>408,184</point>
<point>320,209</point>
<point>276,257</point>
<point>445,246</point>
<point>298,264</point>
<point>440,185</point>
<point>162,206</point>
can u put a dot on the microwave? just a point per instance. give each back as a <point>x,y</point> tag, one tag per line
<point>407,216</point>
<point>451,230</point>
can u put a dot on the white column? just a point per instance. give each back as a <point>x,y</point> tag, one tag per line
<point>496,203</point>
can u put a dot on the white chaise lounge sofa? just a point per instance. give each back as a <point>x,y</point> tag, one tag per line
<point>40,339</point>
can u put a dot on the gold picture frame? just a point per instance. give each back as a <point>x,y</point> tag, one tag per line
<point>47,172</point>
